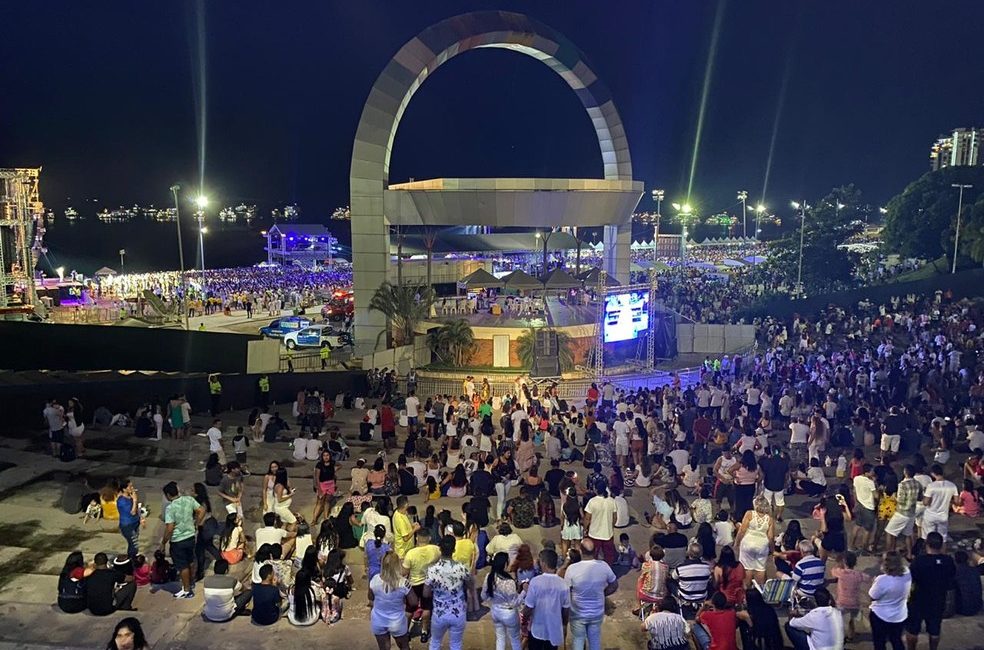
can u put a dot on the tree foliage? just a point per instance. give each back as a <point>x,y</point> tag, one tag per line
<point>526,348</point>
<point>972,231</point>
<point>920,221</point>
<point>826,267</point>
<point>404,306</point>
<point>453,342</point>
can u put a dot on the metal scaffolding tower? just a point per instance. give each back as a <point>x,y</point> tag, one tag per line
<point>599,348</point>
<point>21,238</point>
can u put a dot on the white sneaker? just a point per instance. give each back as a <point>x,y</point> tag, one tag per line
<point>184,594</point>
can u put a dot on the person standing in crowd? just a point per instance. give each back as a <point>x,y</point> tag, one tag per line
<point>446,584</point>
<point>933,574</point>
<point>908,496</point>
<point>324,485</point>
<point>54,415</point>
<point>502,591</point>
<point>181,521</point>
<point>390,595</point>
<point>215,393</point>
<point>214,435</point>
<point>403,528</point>
<point>590,581</point>
<point>939,497</point>
<point>129,509</point>
<point>599,521</point>
<point>754,540</point>
<point>547,605</point>
<point>889,593</point>
<point>775,477</point>
<point>415,563</point>
<point>864,509</point>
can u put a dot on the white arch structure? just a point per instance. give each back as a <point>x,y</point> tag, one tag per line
<point>392,92</point>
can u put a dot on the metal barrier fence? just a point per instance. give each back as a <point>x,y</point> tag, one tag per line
<point>568,389</point>
<point>311,361</point>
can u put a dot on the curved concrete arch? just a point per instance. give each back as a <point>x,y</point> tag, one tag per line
<point>392,92</point>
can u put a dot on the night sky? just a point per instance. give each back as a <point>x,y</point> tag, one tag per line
<point>101,95</point>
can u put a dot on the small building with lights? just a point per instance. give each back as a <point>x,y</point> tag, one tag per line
<point>308,245</point>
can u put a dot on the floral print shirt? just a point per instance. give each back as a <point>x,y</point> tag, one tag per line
<point>447,578</point>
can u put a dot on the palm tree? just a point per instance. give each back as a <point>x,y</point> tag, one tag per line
<point>526,348</point>
<point>460,339</point>
<point>430,238</point>
<point>404,306</point>
<point>452,342</point>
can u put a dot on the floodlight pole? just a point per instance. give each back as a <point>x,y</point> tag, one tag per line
<point>181,257</point>
<point>956,238</point>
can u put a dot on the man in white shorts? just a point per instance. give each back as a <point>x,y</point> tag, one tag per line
<point>939,496</point>
<point>889,441</point>
<point>908,495</point>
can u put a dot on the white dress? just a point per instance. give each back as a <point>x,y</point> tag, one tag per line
<point>755,545</point>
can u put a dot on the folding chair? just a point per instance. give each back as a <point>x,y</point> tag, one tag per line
<point>776,591</point>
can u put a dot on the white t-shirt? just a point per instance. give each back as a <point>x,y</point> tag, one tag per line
<point>752,396</point>
<point>413,406</point>
<point>680,458</point>
<point>373,416</point>
<point>621,429</point>
<point>940,495</point>
<point>824,627</point>
<point>798,433</point>
<point>312,449</point>
<point>548,595</point>
<point>601,510</point>
<point>214,439</point>
<point>864,491</point>
<point>270,535</point>
<point>621,512</point>
<point>975,439</point>
<point>703,398</point>
<point>300,448</point>
<point>587,580</point>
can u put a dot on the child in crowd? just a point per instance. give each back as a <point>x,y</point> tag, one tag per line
<point>849,584</point>
<point>161,572</point>
<point>841,465</point>
<point>627,556</point>
<point>702,508</point>
<point>141,571</point>
<point>857,463</point>
<point>338,582</point>
<point>433,489</point>
<point>724,529</point>
<point>239,444</point>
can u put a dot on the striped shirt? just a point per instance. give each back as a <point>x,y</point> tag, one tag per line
<point>808,574</point>
<point>692,577</point>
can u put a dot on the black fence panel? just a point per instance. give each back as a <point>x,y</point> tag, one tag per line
<point>37,346</point>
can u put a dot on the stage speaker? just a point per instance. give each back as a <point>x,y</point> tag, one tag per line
<point>546,362</point>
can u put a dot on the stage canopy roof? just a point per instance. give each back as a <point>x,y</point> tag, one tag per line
<point>480,279</point>
<point>520,279</point>
<point>590,278</point>
<point>559,279</point>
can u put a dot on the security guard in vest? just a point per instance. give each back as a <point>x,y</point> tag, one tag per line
<point>264,385</point>
<point>215,390</point>
<point>325,355</point>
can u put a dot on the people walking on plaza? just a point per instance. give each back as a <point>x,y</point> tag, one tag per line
<point>591,580</point>
<point>181,520</point>
<point>446,584</point>
<point>599,522</point>
<point>54,415</point>
<point>939,497</point>
<point>547,605</point>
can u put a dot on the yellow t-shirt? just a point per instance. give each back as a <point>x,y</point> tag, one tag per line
<point>418,560</point>
<point>402,533</point>
<point>465,552</point>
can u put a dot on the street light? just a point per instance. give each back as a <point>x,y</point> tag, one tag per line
<point>743,196</point>
<point>201,201</point>
<point>802,207</point>
<point>759,211</point>
<point>658,196</point>
<point>122,253</point>
<point>956,238</point>
<point>181,257</point>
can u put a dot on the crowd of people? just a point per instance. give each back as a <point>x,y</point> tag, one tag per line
<point>866,419</point>
<point>256,289</point>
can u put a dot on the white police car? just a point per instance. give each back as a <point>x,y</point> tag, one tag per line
<point>317,336</point>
